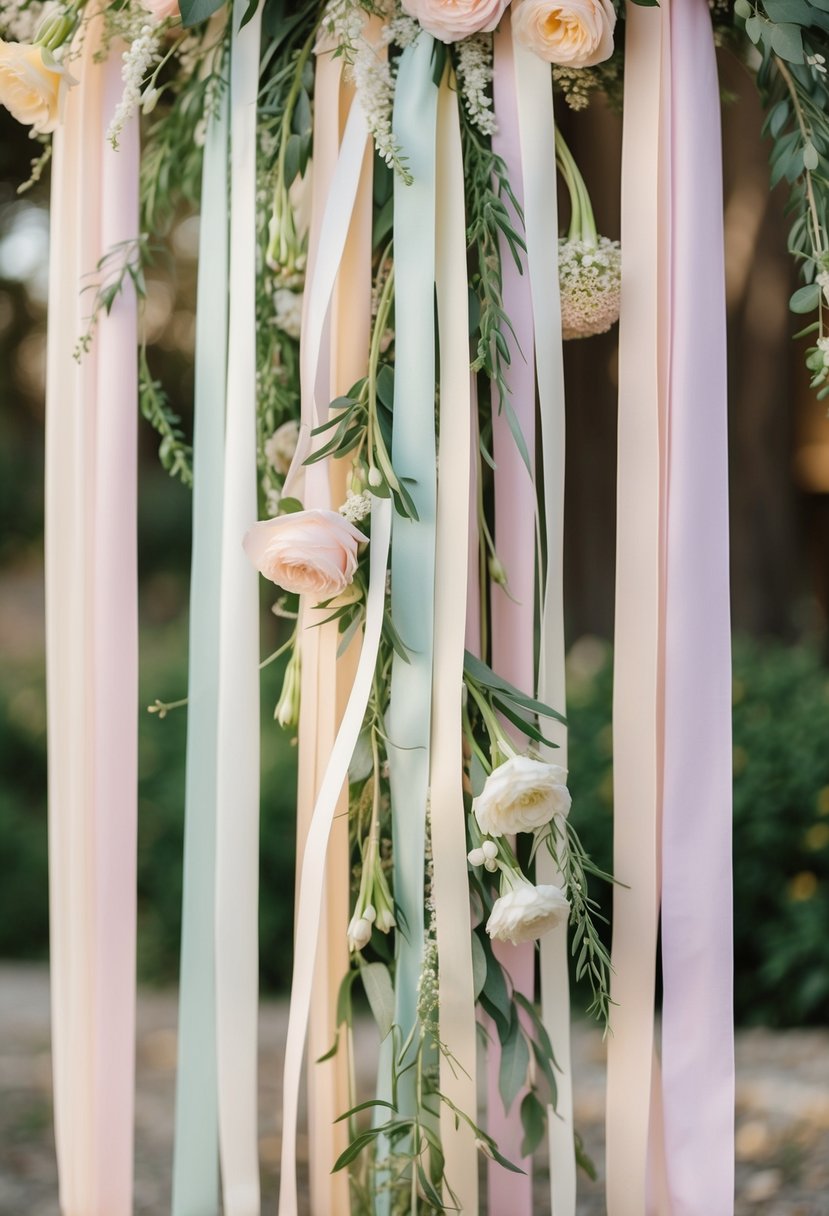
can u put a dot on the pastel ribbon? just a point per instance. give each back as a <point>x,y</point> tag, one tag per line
<point>636,708</point>
<point>413,541</point>
<point>237,771</point>
<point>513,607</point>
<point>92,652</point>
<point>450,887</point>
<point>196,1162</point>
<point>697,1036</point>
<point>537,131</point>
<point>312,879</point>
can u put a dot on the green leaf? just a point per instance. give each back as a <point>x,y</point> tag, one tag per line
<point>332,1051</point>
<point>368,1105</point>
<point>805,299</point>
<point>301,119</point>
<point>810,157</point>
<point>385,386</point>
<point>344,1010</point>
<point>494,994</point>
<point>754,28</point>
<point>355,1148</point>
<point>534,1122</point>
<point>194,11</point>
<point>515,1060</point>
<point>479,967</point>
<point>293,157</point>
<point>798,11</point>
<point>743,9</point>
<point>380,992</point>
<point>787,42</point>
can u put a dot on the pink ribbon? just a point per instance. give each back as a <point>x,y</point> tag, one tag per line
<point>512,614</point>
<point>697,1037</point>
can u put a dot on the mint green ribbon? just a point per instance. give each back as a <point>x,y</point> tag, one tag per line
<point>413,541</point>
<point>196,1154</point>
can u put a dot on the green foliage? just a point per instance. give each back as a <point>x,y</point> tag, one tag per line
<point>781,823</point>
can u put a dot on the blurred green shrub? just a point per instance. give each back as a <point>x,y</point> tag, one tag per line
<point>781,818</point>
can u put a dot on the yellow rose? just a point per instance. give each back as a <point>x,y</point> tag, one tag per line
<point>33,85</point>
<point>571,33</point>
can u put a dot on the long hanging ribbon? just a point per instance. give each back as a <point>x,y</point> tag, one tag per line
<point>196,1162</point>
<point>413,544</point>
<point>636,678</point>
<point>513,609</point>
<point>312,879</point>
<point>451,888</point>
<point>697,1036</point>
<point>237,772</point>
<point>537,130</point>
<point>116,677</point>
<point>92,637</point>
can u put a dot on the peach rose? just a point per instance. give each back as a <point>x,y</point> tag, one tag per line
<point>452,20</point>
<point>571,33</point>
<point>162,9</point>
<point>33,85</point>
<point>311,552</point>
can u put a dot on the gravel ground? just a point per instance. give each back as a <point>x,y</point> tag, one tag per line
<point>782,1108</point>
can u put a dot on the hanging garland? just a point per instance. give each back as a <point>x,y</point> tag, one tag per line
<point>380,369</point>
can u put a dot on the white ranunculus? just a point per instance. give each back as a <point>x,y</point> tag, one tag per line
<point>521,795</point>
<point>524,912</point>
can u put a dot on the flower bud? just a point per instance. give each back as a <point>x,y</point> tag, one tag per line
<point>476,857</point>
<point>490,849</point>
<point>359,933</point>
<point>375,477</point>
<point>497,572</point>
<point>369,914</point>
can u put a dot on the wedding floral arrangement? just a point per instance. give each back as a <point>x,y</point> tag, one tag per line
<point>401,281</point>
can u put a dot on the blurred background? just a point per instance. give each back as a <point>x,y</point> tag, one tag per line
<point>779,451</point>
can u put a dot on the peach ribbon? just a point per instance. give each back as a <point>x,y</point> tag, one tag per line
<point>636,681</point>
<point>451,887</point>
<point>91,581</point>
<point>537,131</point>
<point>237,770</point>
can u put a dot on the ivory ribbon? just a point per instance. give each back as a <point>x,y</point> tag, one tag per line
<point>237,773</point>
<point>196,1163</point>
<point>636,678</point>
<point>697,1036</point>
<point>513,608</point>
<point>312,880</point>
<point>91,658</point>
<point>451,887</point>
<point>537,131</point>
<point>115,714</point>
<point>413,545</point>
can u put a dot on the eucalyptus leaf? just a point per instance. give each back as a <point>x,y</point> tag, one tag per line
<point>194,11</point>
<point>515,1060</point>
<point>534,1123</point>
<point>380,992</point>
<point>805,299</point>
<point>787,42</point>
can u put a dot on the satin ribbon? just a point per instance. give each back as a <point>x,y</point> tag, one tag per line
<point>451,887</point>
<point>697,1036</point>
<point>636,744</point>
<point>91,652</point>
<point>537,131</point>
<point>413,542</point>
<point>513,608</point>
<point>312,881</point>
<point>237,772</point>
<point>196,1162</point>
<point>115,609</point>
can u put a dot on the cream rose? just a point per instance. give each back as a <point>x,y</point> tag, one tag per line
<point>162,9</point>
<point>311,552</point>
<point>452,20</point>
<point>525,912</point>
<point>521,795</point>
<point>33,85</point>
<point>571,33</point>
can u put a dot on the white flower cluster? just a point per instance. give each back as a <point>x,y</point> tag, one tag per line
<point>137,59</point>
<point>287,306</point>
<point>20,21</point>
<point>590,275</point>
<point>280,448</point>
<point>356,507</point>
<point>475,76</point>
<point>823,347</point>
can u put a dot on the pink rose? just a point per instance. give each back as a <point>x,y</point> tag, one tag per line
<point>33,85</point>
<point>570,33</point>
<point>162,9</point>
<point>452,20</point>
<point>311,552</point>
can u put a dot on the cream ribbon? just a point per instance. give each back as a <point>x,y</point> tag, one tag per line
<point>537,131</point>
<point>237,773</point>
<point>312,880</point>
<point>636,696</point>
<point>451,885</point>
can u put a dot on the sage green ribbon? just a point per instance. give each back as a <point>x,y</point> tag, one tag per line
<point>196,1154</point>
<point>413,540</point>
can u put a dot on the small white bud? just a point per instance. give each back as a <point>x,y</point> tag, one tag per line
<point>490,849</point>
<point>476,857</point>
<point>369,914</point>
<point>491,865</point>
<point>375,477</point>
<point>359,933</point>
